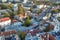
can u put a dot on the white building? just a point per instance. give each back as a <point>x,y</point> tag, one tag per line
<point>41,6</point>
<point>5,21</point>
<point>57,28</point>
<point>15,7</point>
<point>58,14</point>
<point>2,38</point>
<point>16,36</point>
<point>4,0</point>
<point>25,1</point>
<point>47,16</point>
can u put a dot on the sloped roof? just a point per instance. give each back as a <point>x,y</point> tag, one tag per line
<point>4,19</point>
<point>7,33</point>
<point>21,15</point>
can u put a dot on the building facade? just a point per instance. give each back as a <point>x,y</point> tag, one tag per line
<point>11,35</point>
<point>55,1</point>
<point>5,21</point>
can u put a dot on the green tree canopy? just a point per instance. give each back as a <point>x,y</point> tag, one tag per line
<point>10,6</point>
<point>15,13</point>
<point>21,35</point>
<point>7,15</point>
<point>3,6</point>
<point>27,22</point>
<point>54,11</point>
<point>38,11</point>
<point>47,29</point>
<point>20,9</point>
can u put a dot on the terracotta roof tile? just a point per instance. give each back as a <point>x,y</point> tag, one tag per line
<point>7,33</point>
<point>21,15</point>
<point>4,19</point>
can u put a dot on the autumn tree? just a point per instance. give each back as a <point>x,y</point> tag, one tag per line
<point>20,9</point>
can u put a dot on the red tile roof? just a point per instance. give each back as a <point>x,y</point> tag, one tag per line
<point>4,19</point>
<point>14,20</point>
<point>21,15</point>
<point>7,33</point>
<point>51,37</point>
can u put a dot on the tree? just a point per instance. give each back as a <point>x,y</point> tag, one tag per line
<point>47,29</point>
<point>21,35</point>
<point>15,13</point>
<point>20,9</point>
<point>12,15</point>
<point>10,6</point>
<point>54,11</point>
<point>27,22</point>
<point>7,15</point>
<point>38,11</point>
<point>3,6</point>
